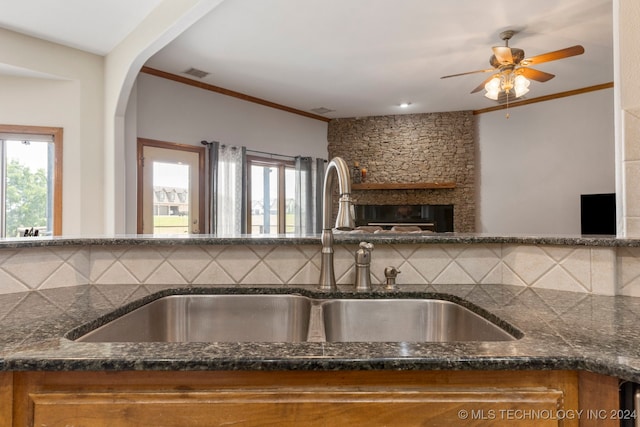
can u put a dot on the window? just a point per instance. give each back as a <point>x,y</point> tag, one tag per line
<point>31,181</point>
<point>271,204</point>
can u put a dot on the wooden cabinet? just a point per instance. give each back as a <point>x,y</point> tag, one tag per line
<point>6,399</point>
<point>406,398</point>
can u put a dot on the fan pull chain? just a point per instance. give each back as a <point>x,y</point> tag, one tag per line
<point>507,115</point>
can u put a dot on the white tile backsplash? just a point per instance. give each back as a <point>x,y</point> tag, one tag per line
<point>628,267</point>
<point>600,270</point>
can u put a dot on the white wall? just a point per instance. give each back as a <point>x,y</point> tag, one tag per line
<point>72,98</point>
<point>174,112</point>
<point>122,64</point>
<point>533,166</point>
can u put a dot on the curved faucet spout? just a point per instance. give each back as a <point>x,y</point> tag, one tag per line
<point>344,220</point>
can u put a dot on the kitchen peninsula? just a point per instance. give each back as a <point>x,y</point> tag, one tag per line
<point>577,340</point>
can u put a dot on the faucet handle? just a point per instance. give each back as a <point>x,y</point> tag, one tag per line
<point>363,254</point>
<point>363,267</point>
<point>366,245</point>
<point>390,273</point>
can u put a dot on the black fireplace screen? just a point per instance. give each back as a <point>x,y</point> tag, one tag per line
<point>430,217</point>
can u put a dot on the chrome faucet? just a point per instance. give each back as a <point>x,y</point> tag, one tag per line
<point>337,167</point>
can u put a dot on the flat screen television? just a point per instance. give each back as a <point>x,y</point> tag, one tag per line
<point>598,213</point>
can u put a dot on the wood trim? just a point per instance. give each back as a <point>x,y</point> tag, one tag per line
<point>57,185</point>
<point>201,151</point>
<point>234,94</point>
<point>57,134</point>
<point>139,187</point>
<point>249,98</point>
<point>404,186</point>
<point>545,98</point>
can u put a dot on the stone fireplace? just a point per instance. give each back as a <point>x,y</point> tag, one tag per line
<point>409,151</point>
<point>438,218</point>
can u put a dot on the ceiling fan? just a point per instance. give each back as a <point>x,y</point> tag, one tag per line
<point>511,70</point>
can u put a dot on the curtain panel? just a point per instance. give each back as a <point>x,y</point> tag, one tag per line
<point>227,194</point>
<point>304,201</point>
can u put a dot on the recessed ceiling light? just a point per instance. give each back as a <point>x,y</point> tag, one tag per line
<point>405,104</point>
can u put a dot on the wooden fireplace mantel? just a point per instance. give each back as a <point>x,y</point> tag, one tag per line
<point>404,186</point>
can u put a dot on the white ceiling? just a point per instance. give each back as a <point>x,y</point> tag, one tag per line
<point>357,57</point>
<point>96,26</point>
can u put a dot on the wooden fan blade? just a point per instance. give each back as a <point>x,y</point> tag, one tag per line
<point>481,85</point>
<point>468,72</point>
<point>539,76</point>
<point>552,56</point>
<point>503,54</point>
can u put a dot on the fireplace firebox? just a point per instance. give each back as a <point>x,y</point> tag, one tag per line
<point>437,218</point>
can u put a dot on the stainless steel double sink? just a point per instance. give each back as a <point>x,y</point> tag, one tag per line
<point>296,318</point>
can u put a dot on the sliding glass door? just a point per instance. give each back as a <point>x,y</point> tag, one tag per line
<point>271,196</point>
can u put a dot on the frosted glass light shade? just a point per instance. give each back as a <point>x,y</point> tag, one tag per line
<point>493,88</point>
<point>521,85</point>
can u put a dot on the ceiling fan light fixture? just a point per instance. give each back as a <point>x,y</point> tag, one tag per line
<point>493,88</point>
<point>511,66</point>
<point>521,85</point>
<point>506,83</point>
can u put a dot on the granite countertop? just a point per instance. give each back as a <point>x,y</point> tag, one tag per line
<point>351,237</point>
<point>562,330</point>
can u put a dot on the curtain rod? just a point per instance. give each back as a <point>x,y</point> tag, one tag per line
<point>271,154</point>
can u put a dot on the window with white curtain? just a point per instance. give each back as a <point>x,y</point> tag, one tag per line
<point>262,193</point>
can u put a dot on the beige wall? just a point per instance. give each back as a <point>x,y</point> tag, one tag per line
<point>87,141</point>
<point>67,93</point>
<point>90,107</point>
<point>533,167</point>
<point>122,64</point>
<point>165,110</point>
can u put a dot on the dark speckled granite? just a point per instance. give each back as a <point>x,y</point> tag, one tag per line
<point>340,237</point>
<point>562,330</point>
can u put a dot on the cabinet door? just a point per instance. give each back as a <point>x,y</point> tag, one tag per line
<point>302,407</point>
<point>6,399</point>
<point>299,398</point>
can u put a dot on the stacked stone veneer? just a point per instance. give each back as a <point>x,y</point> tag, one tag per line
<point>412,148</point>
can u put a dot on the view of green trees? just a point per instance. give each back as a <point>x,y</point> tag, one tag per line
<point>26,199</point>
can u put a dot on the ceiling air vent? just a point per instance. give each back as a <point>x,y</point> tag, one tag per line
<point>322,110</point>
<point>196,73</point>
